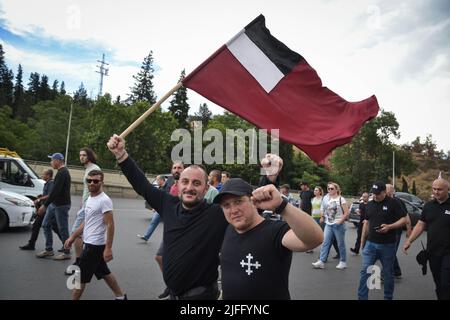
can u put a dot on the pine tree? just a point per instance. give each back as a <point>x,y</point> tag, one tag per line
<point>33,87</point>
<point>80,96</point>
<point>6,81</point>
<point>143,86</point>
<point>203,114</point>
<point>54,92</point>
<point>414,190</point>
<point>19,96</point>
<point>44,92</point>
<point>405,185</point>
<point>179,106</point>
<point>62,90</point>
<point>117,100</point>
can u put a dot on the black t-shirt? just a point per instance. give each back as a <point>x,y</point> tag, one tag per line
<point>306,197</point>
<point>437,218</point>
<point>60,194</point>
<point>387,211</point>
<point>192,239</point>
<point>255,264</point>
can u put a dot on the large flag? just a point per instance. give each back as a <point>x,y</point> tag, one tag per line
<point>260,79</point>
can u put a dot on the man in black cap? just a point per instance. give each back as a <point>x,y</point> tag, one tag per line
<point>384,216</point>
<point>436,219</point>
<point>256,253</point>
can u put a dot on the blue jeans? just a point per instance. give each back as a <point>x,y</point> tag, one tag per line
<point>61,213</point>
<point>338,231</point>
<point>153,224</point>
<point>385,252</point>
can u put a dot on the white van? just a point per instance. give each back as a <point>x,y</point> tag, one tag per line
<point>16,176</point>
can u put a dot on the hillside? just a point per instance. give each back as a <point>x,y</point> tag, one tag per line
<point>427,171</point>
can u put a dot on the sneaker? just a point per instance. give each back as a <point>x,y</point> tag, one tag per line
<point>142,237</point>
<point>336,257</point>
<point>27,247</point>
<point>45,253</point>
<point>398,276</point>
<point>62,256</point>
<point>354,252</point>
<point>124,298</point>
<point>318,265</point>
<point>165,295</point>
<point>341,265</point>
<point>62,249</point>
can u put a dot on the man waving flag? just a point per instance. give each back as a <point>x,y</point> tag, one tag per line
<point>261,80</point>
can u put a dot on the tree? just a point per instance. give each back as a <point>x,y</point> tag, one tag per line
<point>414,190</point>
<point>203,114</point>
<point>44,92</point>
<point>62,89</point>
<point>54,92</point>
<point>6,82</point>
<point>19,97</point>
<point>405,185</point>
<point>143,86</point>
<point>369,156</point>
<point>33,88</point>
<point>179,106</point>
<point>80,96</point>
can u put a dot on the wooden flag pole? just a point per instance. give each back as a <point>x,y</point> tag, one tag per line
<point>149,111</point>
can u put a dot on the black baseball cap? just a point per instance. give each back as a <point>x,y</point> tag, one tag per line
<point>234,186</point>
<point>377,187</point>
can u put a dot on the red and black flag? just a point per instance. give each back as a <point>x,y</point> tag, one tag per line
<point>261,80</point>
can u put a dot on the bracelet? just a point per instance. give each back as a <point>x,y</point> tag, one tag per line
<point>123,154</point>
<point>282,206</point>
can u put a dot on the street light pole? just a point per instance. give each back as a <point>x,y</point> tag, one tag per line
<point>68,133</point>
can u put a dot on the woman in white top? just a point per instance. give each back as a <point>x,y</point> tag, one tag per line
<point>334,211</point>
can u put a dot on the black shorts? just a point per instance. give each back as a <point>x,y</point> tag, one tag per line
<point>92,262</point>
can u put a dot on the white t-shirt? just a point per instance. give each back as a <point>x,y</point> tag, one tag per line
<point>94,227</point>
<point>332,209</point>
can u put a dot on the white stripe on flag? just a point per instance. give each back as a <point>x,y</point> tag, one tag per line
<point>255,61</point>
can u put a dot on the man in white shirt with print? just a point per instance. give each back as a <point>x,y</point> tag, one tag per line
<point>98,234</point>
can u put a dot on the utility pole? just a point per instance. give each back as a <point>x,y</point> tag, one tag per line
<point>103,72</point>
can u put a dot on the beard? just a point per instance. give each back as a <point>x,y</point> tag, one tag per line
<point>176,176</point>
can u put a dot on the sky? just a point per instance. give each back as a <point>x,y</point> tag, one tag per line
<point>397,50</point>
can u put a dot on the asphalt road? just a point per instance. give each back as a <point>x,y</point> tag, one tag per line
<point>23,276</point>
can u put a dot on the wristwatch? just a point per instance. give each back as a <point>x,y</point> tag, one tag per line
<point>282,206</point>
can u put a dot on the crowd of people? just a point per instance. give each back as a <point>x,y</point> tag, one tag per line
<point>215,224</point>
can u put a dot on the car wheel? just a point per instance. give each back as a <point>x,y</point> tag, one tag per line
<point>4,221</point>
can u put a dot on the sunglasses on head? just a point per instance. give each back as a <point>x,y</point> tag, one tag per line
<point>95,181</point>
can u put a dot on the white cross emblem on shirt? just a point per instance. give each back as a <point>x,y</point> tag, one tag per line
<point>249,264</point>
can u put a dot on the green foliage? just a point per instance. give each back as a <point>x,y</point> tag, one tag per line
<point>369,156</point>
<point>179,106</point>
<point>143,86</point>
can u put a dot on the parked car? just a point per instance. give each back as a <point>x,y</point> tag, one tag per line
<point>414,211</point>
<point>16,176</point>
<point>411,198</point>
<point>15,210</point>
